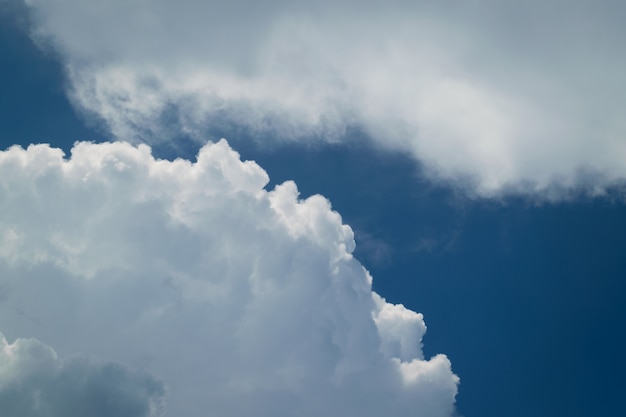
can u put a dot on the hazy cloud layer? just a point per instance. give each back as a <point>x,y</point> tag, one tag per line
<point>35,383</point>
<point>243,301</point>
<point>497,95</point>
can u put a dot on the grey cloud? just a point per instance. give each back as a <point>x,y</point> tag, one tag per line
<point>34,382</point>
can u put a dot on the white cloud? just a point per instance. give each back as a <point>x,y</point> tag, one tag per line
<point>526,96</point>
<point>34,382</point>
<point>243,301</point>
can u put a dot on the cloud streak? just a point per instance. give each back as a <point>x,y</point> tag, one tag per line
<point>525,97</point>
<point>244,301</point>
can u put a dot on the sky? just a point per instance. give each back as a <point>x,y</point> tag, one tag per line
<point>466,258</point>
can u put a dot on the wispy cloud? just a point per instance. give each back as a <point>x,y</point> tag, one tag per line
<point>524,97</point>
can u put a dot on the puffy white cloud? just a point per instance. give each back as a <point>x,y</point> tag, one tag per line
<point>35,383</point>
<point>526,96</point>
<point>244,301</point>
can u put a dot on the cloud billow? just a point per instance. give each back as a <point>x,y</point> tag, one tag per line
<point>524,97</point>
<point>34,382</point>
<point>244,301</point>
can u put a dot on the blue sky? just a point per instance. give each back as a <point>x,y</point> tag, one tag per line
<point>520,277</point>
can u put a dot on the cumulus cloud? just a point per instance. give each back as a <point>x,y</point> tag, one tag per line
<point>34,382</point>
<point>244,301</point>
<point>526,96</point>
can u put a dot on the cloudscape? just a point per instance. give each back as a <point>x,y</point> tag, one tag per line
<point>253,208</point>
